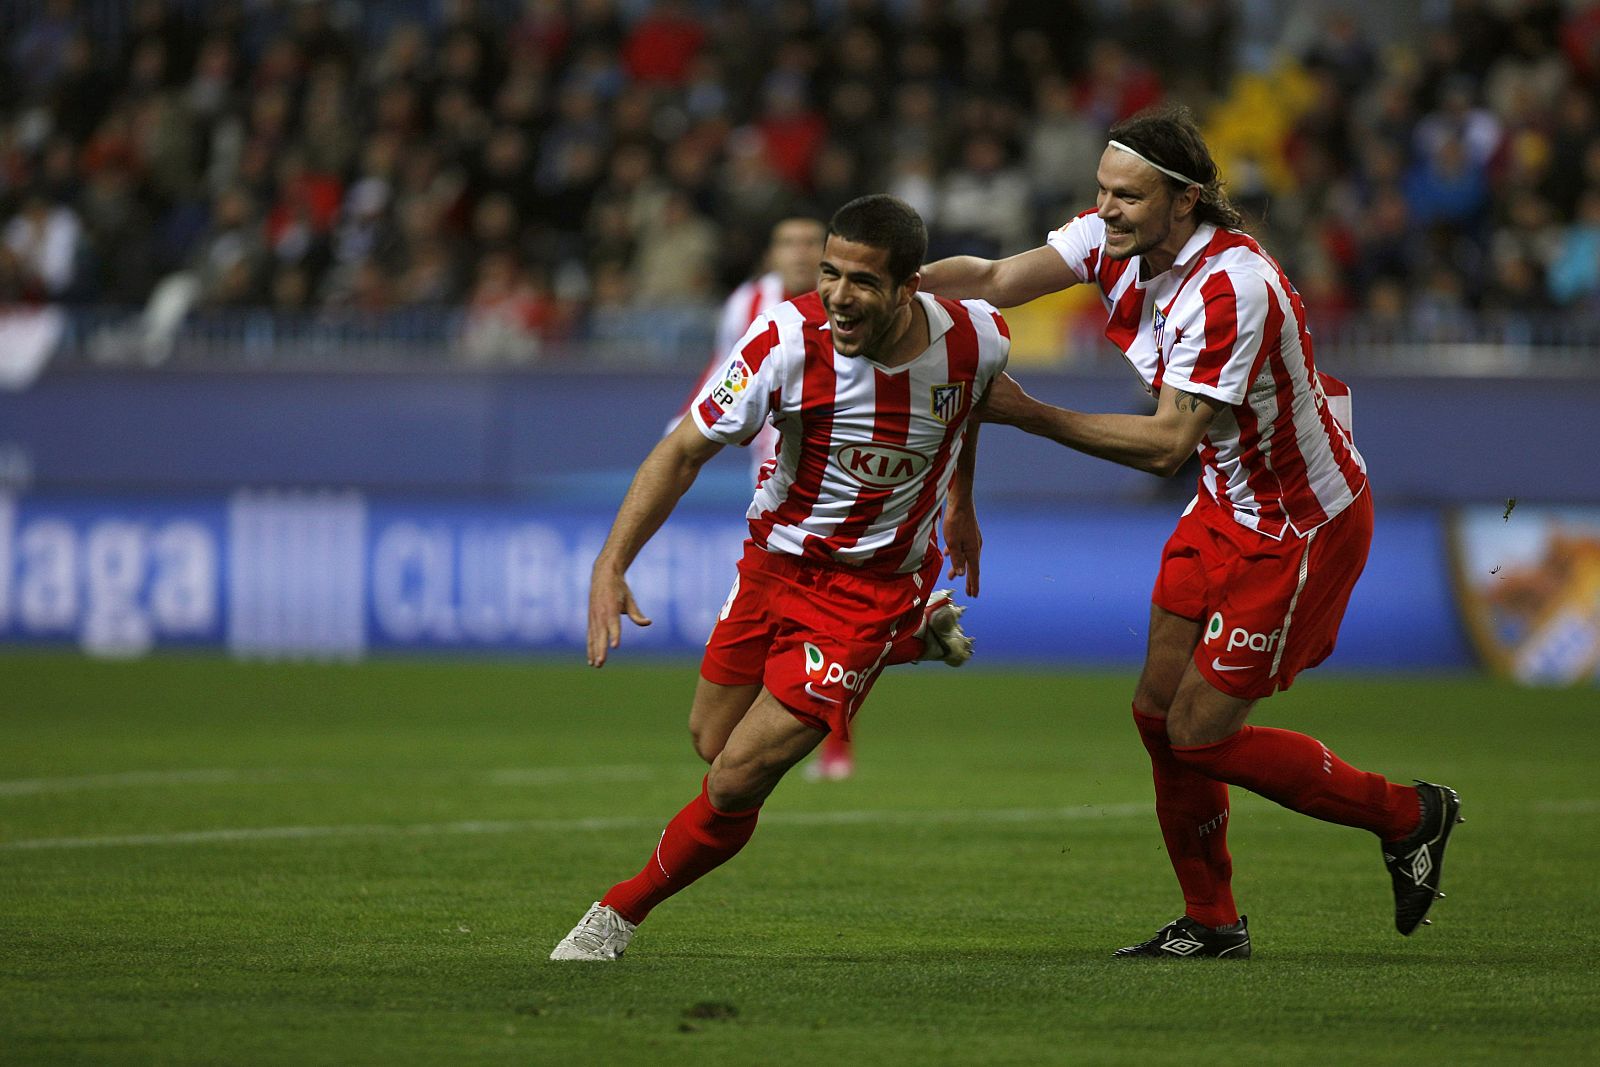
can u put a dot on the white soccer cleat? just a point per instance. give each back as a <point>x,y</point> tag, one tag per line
<point>602,935</point>
<point>943,638</point>
<point>830,768</point>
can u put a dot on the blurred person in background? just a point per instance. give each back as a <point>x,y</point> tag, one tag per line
<point>1254,581</point>
<point>510,311</point>
<point>555,105</point>
<point>1574,277</point>
<point>42,240</point>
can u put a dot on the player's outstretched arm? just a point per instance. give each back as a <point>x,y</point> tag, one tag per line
<point>1159,442</point>
<point>1005,283</point>
<point>963,541</point>
<point>664,476</point>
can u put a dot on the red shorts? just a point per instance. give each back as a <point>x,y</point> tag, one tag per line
<point>1271,608</point>
<point>816,634</point>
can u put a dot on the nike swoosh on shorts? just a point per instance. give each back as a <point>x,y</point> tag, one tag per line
<point>1218,665</point>
<point>812,692</point>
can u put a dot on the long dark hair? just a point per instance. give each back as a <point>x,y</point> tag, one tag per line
<point>1168,135</point>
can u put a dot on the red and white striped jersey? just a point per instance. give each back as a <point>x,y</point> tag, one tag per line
<point>738,312</point>
<point>1224,322</point>
<point>866,452</point>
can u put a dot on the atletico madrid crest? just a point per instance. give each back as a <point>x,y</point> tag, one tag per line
<point>1158,327</point>
<point>947,400</point>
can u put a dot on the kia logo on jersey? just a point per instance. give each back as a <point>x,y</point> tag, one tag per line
<point>880,466</point>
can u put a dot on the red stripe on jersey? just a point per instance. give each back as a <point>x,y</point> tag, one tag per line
<point>891,425</point>
<point>810,308</point>
<point>1259,473</point>
<point>1000,324</point>
<point>961,364</point>
<point>1223,240</point>
<point>1222,329</point>
<point>816,433</point>
<point>1288,462</point>
<point>759,347</point>
<point>1109,272</point>
<point>1122,325</point>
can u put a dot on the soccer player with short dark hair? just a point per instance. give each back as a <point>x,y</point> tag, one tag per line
<point>1255,579</point>
<point>871,385</point>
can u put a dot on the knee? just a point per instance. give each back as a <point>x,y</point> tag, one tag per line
<point>707,743</point>
<point>1188,727</point>
<point>1150,700</point>
<point>738,785</point>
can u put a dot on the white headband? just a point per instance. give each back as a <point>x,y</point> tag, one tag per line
<point>1184,178</point>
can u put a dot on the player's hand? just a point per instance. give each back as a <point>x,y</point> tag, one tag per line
<point>1004,402</point>
<point>609,599</point>
<point>963,542</point>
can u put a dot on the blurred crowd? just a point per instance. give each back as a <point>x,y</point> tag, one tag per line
<point>542,162</point>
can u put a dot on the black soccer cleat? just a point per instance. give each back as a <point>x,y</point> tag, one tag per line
<point>1184,938</point>
<point>1416,862</point>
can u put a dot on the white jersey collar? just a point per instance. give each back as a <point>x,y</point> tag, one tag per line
<point>1195,245</point>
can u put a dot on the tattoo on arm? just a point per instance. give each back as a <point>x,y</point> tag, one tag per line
<point>1187,401</point>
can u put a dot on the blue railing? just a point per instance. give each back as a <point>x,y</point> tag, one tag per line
<point>681,336</point>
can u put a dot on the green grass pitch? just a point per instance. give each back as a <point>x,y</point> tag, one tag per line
<point>207,862</point>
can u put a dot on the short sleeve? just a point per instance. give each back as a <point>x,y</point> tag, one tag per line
<point>1217,344</point>
<point>736,399</point>
<point>1079,243</point>
<point>994,343</point>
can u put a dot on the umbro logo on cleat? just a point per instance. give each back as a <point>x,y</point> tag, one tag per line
<point>1421,865</point>
<point>1182,946</point>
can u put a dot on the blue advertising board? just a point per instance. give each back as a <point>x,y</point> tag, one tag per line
<point>577,436</point>
<point>335,574</point>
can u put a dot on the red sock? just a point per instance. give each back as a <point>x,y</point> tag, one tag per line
<point>1193,812</point>
<point>1301,774</point>
<point>904,649</point>
<point>698,839</point>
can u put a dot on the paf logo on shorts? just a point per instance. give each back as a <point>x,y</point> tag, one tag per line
<point>1239,637</point>
<point>817,663</point>
<point>880,466</point>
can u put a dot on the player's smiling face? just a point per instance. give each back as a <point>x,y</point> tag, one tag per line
<point>1135,202</point>
<point>863,303</point>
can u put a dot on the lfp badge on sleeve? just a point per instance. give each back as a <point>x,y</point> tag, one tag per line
<point>947,401</point>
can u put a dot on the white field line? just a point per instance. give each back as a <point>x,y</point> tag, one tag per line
<point>510,826</point>
<point>1582,806</point>
<point>563,775</point>
<point>19,787</point>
